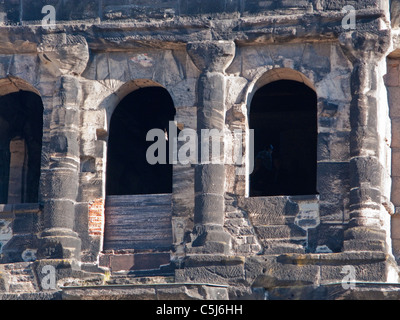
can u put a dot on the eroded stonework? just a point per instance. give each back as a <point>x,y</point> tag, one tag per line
<point>208,239</point>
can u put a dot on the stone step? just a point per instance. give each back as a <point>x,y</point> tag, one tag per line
<point>19,277</point>
<point>135,261</point>
<point>125,279</point>
<point>282,247</point>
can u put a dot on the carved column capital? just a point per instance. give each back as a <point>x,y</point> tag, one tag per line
<point>64,53</point>
<point>364,45</point>
<point>212,56</point>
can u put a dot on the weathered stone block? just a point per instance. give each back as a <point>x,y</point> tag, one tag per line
<point>279,232</point>
<point>395,197</point>
<point>211,269</point>
<point>365,170</point>
<point>334,147</point>
<point>395,138</point>
<point>327,237</point>
<point>332,181</point>
<point>268,210</point>
<point>183,196</point>
<point>26,222</point>
<point>275,274</point>
<point>392,77</point>
<point>333,212</point>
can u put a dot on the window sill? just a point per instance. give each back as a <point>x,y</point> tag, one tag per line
<point>11,209</point>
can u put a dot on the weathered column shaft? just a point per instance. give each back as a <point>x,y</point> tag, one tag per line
<point>211,58</point>
<point>210,175</point>
<point>365,231</point>
<point>60,183</point>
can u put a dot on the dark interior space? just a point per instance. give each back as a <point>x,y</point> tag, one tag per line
<point>128,171</point>
<point>283,115</point>
<point>21,131</point>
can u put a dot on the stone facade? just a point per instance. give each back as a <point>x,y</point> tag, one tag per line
<point>212,57</point>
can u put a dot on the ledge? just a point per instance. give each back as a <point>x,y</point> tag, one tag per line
<point>9,210</point>
<point>340,258</point>
<point>158,291</point>
<point>267,27</point>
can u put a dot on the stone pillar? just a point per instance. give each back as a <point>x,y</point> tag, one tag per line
<point>365,230</point>
<point>60,181</point>
<point>212,58</point>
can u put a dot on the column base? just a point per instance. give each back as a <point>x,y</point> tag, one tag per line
<point>59,244</point>
<point>361,238</point>
<point>209,239</point>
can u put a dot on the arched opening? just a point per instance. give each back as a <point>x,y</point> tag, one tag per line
<point>283,115</point>
<point>128,170</point>
<point>138,208</point>
<point>21,131</point>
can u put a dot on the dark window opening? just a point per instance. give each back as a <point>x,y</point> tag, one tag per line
<point>21,131</point>
<point>128,171</point>
<point>283,115</point>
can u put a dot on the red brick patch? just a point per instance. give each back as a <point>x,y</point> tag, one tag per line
<point>96,217</point>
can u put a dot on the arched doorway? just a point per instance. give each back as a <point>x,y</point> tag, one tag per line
<point>283,114</point>
<point>138,208</point>
<point>128,170</point>
<point>21,131</point>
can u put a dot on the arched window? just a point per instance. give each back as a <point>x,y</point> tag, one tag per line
<point>138,207</point>
<point>283,115</point>
<point>128,170</point>
<point>21,131</point>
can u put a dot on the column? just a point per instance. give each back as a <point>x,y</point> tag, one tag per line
<point>211,58</point>
<point>365,230</point>
<point>59,183</point>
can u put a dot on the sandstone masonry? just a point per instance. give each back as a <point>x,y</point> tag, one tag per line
<point>207,236</point>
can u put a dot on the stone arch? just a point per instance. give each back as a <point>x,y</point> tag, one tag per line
<point>147,105</point>
<point>111,103</point>
<point>276,74</point>
<point>282,110</point>
<point>21,132</point>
